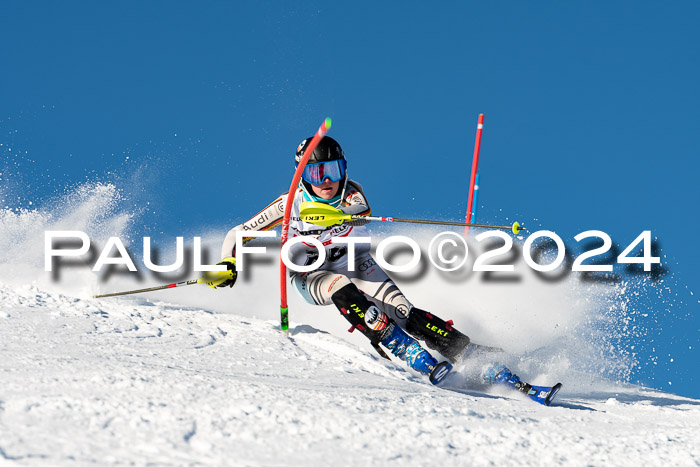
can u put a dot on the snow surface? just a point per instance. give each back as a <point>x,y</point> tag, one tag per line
<point>119,381</point>
<point>195,376</point>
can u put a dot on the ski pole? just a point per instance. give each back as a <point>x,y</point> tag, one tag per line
<point>325,216</point>
<point>515,228</point>
<point>201,280</point>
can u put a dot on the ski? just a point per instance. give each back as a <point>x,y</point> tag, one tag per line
<point>541,394</point>
<point>500,374</point>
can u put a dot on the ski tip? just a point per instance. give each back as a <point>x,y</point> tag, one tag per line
<point>552,394</point>
<point>327,122</point>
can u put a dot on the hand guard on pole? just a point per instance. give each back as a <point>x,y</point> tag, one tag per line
<point>225,278</point>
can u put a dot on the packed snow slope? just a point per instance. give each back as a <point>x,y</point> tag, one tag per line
<point>121,380</point>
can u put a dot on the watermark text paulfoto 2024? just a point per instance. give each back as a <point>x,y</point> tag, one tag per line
<point>447,251</point>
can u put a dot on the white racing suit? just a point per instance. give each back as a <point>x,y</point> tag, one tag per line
<point>321,285</point>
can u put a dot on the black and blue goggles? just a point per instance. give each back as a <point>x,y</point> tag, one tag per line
<point>316,173</point>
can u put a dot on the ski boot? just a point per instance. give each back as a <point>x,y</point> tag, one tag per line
<point>410,351</point>
<point>376,325</point>
<point>500,374</point>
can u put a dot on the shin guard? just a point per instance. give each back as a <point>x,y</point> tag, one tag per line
<point>363,315</point>
<point>437,334</point>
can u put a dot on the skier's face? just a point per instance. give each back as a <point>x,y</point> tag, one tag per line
<point>327,189</point>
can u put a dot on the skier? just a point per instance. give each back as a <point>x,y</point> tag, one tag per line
<point>366,297</point>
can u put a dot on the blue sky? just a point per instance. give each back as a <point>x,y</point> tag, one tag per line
<point>591,111</point>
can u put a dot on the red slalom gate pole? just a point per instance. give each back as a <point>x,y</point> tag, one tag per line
<point>475,167</point>
<point>284,310</point>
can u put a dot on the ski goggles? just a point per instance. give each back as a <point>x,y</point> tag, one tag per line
<point>316,173</point>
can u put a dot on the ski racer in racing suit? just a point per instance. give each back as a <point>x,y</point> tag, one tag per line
<point>365,296</point>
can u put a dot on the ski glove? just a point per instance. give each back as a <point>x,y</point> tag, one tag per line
<point>226,278</point>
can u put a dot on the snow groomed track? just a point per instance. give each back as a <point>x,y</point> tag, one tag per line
<point>122,380</point>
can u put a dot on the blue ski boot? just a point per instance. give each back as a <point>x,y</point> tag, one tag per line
<point>410,351</point>
<point>500,374</point>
